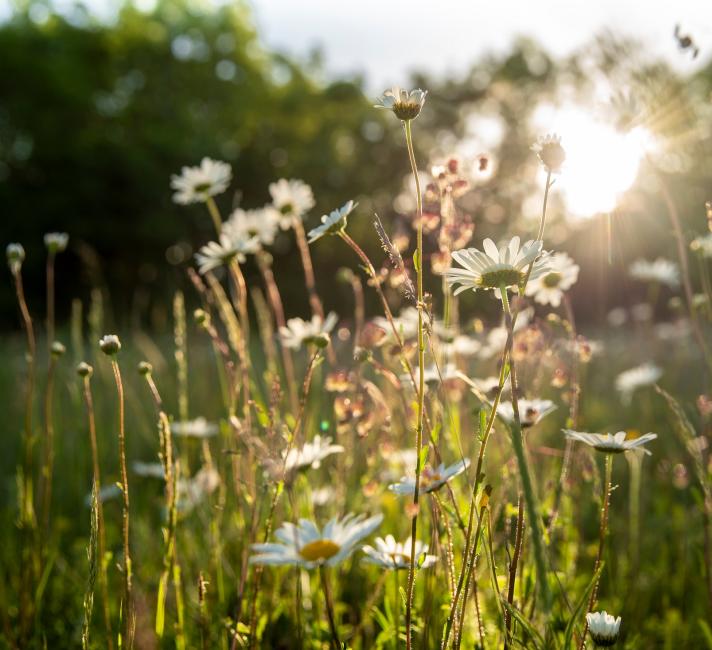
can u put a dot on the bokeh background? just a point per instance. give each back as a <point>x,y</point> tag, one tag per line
<point>100,102</point>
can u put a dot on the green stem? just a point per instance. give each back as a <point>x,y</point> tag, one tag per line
<point>396,580</point>
<point>214,215</point>
<point>329,607</point>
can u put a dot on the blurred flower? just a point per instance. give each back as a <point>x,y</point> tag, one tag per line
<point>148,470</point>
<point>197,184</point>
<point>106,493</point>
<point>703,245</point>
<point>332,223</point>
<point>306,546</point>
<point>661,270</point>
<point>261,224</point>
<point>617,317</point>
<point>531,411</point>
<point>464,346</point>
<point>292,199</point>
<point>193,491</point>
<point>215,254</point>
<point>630,380</point>
<point>405,104</point>
<point>110,344</point>
<point>550,152</point>
<point>15,257</point>
<point>299,332</point>
<point>57,349</point>
<point>322,496</point>
<point>311,454</point>
<point>197,428</point>
<point>609,444</point>
<point>561,276</point>
<point>56,242</point>
<point>604,628</point>
<point>495,268</point>
<point>390,554</point>
<point>432,374</point>
<point>431,479</point>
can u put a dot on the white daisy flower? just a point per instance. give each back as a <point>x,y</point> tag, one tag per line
<point>550,152</point>
<point>15,257</point>
<point>405,104</point>
<point>495,268</point>
<point>196,184</point>
<point>306,546</point>
<point>197,428</point>
<point>390,554</point>
<point>531,411</point>
<point>56,242</point>
<point>148,470</point>
<point>311,454</point>
<point>464,346</point>
<point>487,386</point>
<point>609,444</point>
<point>549,287</point>
<point>299,332</point>
<point>604,628</point>
<point>193,491</point>
<point>322,496</point>
<point>661,271</point>
<point>430,479</point>
<point>292,199</point>
<point>630,380</point>
<point>333,222</point>
<point>703,245</point>
<point>215,254</point>
<point>407,324</point>
<point>261,224</point>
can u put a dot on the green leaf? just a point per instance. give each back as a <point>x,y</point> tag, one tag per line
<point>416,262</point>
<point>706,631</point>
<point>422,458</point>
<point>535,638</point>
<point>580,605</point>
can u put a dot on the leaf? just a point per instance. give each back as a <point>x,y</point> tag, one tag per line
<point>422,458</point>
<point>571,626</point>
<point>483,425</point>
<point>706,631</point>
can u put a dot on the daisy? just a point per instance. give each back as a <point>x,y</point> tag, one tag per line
<point>604,628</point>
<point>550,152</point>
<point>56,242</point>
<point>306,546</point>
<point>292,199</point>
<point>630,380</point>
<point>433,374</point>
<point>332,223</point>
<point>610,444</point>
<point>493,268</point>
<point>311,454</point>
<point>405,104</point>
<point>15,257</point>
<point>703,245</point>
<point>299,332</point>
<point>261,224</point>
<point>661,271</point>
<point>390,554</point>
<point>464,346</point>
<point>531,411</point>
<point>148,470</point>
<point>549,287</point>
<point>215,254</point>
<point>430,479</point>
<point>193,491</point>
<point>197,428</point>
<point>197,184</point>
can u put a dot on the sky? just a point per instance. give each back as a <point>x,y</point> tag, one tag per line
<point>385,39</point>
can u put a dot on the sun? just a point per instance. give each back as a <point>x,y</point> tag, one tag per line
<point>601,162</point>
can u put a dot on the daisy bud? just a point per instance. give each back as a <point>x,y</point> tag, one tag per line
<point>56,242</point>
<point>84,369</point>
<point>604,628</point>
<point>15,257</point>
<point>145,368</point>
<point>550,152</point>
<point>110,344</point>
<point>201,318</point>
<point>406,105</point>
<point>57,349</point>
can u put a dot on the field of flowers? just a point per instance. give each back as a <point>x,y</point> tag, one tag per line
<point>406,479</point>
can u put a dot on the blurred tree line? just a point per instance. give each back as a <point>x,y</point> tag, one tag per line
<point>95,117</point>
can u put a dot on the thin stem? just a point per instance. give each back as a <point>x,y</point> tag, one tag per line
<point>606,499</point>
<point>513,568</point>
<point>396,581</point>
<point>421,384</point>
<point>329,607</point>
<point>48,465</point>
<point>50,300</point>
<point>316,306</point>
<point>214,215</point>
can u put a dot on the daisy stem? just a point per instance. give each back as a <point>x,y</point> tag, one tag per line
<point>421,383</point>
<point>50,299</point>
<point>396,581</point>
<point>513,568</point>
<point>48,464</point>
<point>530,498</point>
<point>329,606</point>
<point>214,214</point>
<point>314,300</point>
<point>605,499</point>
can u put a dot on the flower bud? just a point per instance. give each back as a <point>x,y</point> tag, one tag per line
<point>56,242</point>
<point>57,349</point>
<point>145,368</point>
<point>551,154</point>
<point>84,369</point>
<point>201,317</point>
<point>110,344</point>
<point>15,257</point>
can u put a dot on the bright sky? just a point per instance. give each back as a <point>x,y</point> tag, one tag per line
<point>386,38</point>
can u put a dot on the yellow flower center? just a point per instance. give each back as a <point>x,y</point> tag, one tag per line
<point>320,549</point>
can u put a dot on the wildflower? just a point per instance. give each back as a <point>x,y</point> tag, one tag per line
<point>561,276</point>
<point>390,554</point>
<point>630,380</point>
<point>311,454</point>
<point>405,104</point>
<point>299,332</point>
<point>551,154</point>
<point>193,491</point>
<point>148,470</point>
<point>493,268</point>
<point>15,257</point>
<point>145,368</point>
<point>609,444</point>
<point>489,386</point>
<point>57,349</point>
<point>197,184</point>
<point>703,245</point>
<point>604,628</point>
<point>531,411</point>
<point>332,223</point>
<point>306,546</point>
<point>430,479</point>
<point>56,242</point>
<point>84,369</point>
<point>661,271</point>
<point>322,496</point>
<point>197,428</point>
<point>110,344</point>
<point>292,199</point>
<point>215,254</point>
<point>464,346</point>
<point>260,224</point>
